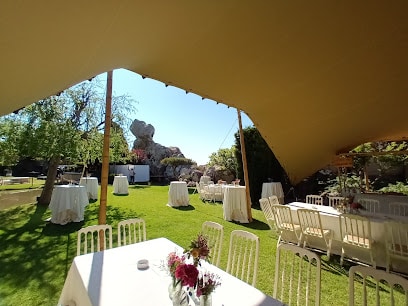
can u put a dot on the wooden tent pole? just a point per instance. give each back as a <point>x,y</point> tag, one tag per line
<point>244,165</point>
<point>105,154</point>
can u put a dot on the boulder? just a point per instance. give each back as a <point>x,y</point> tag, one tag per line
<point>155,152</point>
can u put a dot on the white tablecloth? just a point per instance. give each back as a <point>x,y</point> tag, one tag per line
<point>234,204</point>
<point>120,185</point>
<point>178,194</point>
<point>91,185</point>
<point>270,189</point>
<point>330,220</point>
<point>111,278</point>
<point>68,204</point>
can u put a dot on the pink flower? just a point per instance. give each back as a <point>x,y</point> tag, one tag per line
<point>207,284</point>
<point>187,274</point>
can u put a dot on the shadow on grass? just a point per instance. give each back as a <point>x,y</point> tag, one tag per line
<point>185,208</point>
<point>26,253</point>
<point>255,224</point>
<point>139,186</point>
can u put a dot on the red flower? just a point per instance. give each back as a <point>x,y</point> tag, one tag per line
<point>187,274</point>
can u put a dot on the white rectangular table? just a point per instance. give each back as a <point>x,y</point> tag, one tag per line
<point>330,220</point>
<point>91,185</point>
<point>120,185</point>
<point>68,204</point>
<point>111,278</point>
<point>234,204</point>
<point>178,194</point>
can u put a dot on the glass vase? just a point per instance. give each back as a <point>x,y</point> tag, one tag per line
<point>206,300</point>
<point>178,295</point>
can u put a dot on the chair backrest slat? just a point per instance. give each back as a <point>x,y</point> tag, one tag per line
<point>131,231</point>
<point>243,256</point>
<point>297,276</point>
<point>87,237</point>
<point>215,235</point>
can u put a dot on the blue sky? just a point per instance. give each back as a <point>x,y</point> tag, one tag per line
<point>198,127</point>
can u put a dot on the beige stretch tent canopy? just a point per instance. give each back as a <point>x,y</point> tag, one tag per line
<point>315,77</point>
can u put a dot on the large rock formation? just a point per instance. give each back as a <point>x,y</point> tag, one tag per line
<point>155,152</point>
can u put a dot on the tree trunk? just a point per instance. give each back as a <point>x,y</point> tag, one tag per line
<point>45,197</point>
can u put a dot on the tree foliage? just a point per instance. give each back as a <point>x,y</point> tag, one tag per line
<point>225,158</point>
<point>175,162</point>
<point>261,162</point>
<point>67,127</point>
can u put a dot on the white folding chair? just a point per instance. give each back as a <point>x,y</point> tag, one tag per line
<point>398,209</point>
<point>313,234</point>
<point>335,201</point>
<point>287,229</point>
<point>397,243</point>
<point>243,256</point>
<point>355,232</point>
<point>273,199</point>
<point>370,205</point>
<point>314,199</point>
<point>369,286</point>
<point>297,276</point>
<point>266,208</point>
<point>89,239</point>
<point>215,234</point>
<point>131,231</point>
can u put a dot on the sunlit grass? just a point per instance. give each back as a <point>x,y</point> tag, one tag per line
<point>35,255</point>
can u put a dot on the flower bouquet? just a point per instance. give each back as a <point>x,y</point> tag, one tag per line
<point>198,249</point>
<point>185,272</point>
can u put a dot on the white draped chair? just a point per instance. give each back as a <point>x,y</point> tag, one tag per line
<point>398,209</point>
<point>397,243</point>
<point>297,276</point>
<point>288,230</point>
<point>131,231</point>
<point>314,199</point>
<point>243,256</point>
<point>89,239</point>
<point>273,199</point>
<point>335,201</point>
<point>313,234</point>
<point>215,234</point>
<point>369,286</point>
<point>266,208</point>
<point>355,232</point>
<point>370,205</point>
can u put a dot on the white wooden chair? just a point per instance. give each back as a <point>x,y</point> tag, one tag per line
<point>335,201</point>
<point>287,229</point>
<point>370,205</point>
<point>297,276</point>
<point>397,243</point>
<point>273,199</point>
<point>312,233</point>
<point>131,231</point>
<point>398,209</point>
<point>369,286</point>
<point>355,232</point>
<point>243,256</point>
<point>266,208</point>
<point>89,239</point>
<point>215,234</point>
<point>314,199</point>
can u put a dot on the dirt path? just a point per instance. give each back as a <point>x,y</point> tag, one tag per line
<point>13,198</point>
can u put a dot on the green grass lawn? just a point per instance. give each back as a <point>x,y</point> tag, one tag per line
<point>35,255</point>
